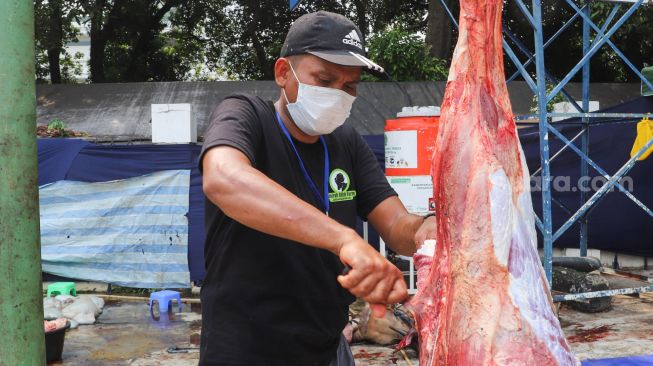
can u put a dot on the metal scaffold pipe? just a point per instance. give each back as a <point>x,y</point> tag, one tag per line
<point>21,308</point>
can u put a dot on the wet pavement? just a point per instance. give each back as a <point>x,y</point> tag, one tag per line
<point>626,330</point>
<point>127,334</point>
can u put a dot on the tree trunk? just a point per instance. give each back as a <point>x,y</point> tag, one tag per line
<point>97,54</point>
<point>97,43</point>
<point>137,70</point>
<point>266,67</point>
<point>251,33</point>
<point>102,29</point>
<point>138,65</point>
<point>361,12</point>
<point>55,42</point>
<point>54,65</point>
<point>439,31</point>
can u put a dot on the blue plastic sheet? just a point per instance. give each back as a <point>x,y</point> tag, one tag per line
<point>101,163</point>
<point>131,232</point>
<point>622,361</point>
<point>56,156</point>
<point>616,223</point>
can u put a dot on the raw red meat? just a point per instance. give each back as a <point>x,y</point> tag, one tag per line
<point>52,325</point>
<point>485,300</point>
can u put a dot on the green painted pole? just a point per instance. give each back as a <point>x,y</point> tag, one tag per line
<point>21,307</point>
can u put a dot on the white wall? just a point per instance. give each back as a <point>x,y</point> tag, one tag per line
<point>606,257</point>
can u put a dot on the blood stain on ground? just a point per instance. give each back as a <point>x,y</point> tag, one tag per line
<point>362,354</point>
<point>590,335</point>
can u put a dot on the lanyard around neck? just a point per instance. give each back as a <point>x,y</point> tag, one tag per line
<point>324,198</point>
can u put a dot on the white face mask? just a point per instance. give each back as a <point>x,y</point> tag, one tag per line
<point>319,110</point>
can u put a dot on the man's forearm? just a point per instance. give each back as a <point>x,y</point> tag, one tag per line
<point>401,237</point>
<point>402,231</point>
<point>249,197</point>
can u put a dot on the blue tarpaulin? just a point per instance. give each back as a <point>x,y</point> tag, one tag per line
<point>621,361</point>
<point>131,232</point>
<point>75,160</point>
<point>616,224</point>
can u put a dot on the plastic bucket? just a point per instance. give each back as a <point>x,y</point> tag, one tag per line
<point>54,343</point>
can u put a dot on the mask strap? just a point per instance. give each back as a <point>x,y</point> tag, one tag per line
<point>295,75</point>
<point>293,72</point>
<point>285,96</point>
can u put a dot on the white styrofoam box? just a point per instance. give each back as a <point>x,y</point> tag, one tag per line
<point>566,107</point>
<point>428,111</point>
<point>173,124</point>
<point>415,192</point>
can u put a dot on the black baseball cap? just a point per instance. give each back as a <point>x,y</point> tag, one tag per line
<point>331,37</point>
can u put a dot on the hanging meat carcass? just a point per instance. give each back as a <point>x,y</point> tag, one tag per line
<point>485,299</point>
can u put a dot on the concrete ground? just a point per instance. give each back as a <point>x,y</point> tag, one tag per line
<point>626,330</point>
<point>126,334</point>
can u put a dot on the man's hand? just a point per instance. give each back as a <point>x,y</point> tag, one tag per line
<point>426,231</point>
<point>371,277</point>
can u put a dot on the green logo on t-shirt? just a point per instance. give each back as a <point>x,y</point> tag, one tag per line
<point>339,182</point>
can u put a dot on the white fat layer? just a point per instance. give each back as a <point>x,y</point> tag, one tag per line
<point>525,205</point>
<point>513,224</point>
<point>501,211</point>
<point>427,248</point>
<point>527,290</point>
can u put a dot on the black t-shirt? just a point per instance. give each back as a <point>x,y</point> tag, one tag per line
<point>268,300</point>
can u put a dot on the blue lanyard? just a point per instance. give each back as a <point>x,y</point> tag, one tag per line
<point>322,198</point>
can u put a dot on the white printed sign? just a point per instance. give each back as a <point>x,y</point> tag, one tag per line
<point>415,192</point>
<point>401,149</point>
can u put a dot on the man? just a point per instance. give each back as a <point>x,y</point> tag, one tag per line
<point>288,180</point>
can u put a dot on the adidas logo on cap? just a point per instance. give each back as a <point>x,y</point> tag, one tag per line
<point>353,39</point>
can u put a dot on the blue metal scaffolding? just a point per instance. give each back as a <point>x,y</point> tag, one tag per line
<point>594,37</point>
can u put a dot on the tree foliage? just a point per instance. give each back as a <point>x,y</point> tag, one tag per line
<point>250,34</point>
<point>54,28</point>
<point>142,40</point>
<point>169,40</point>
<point>405,56</point>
